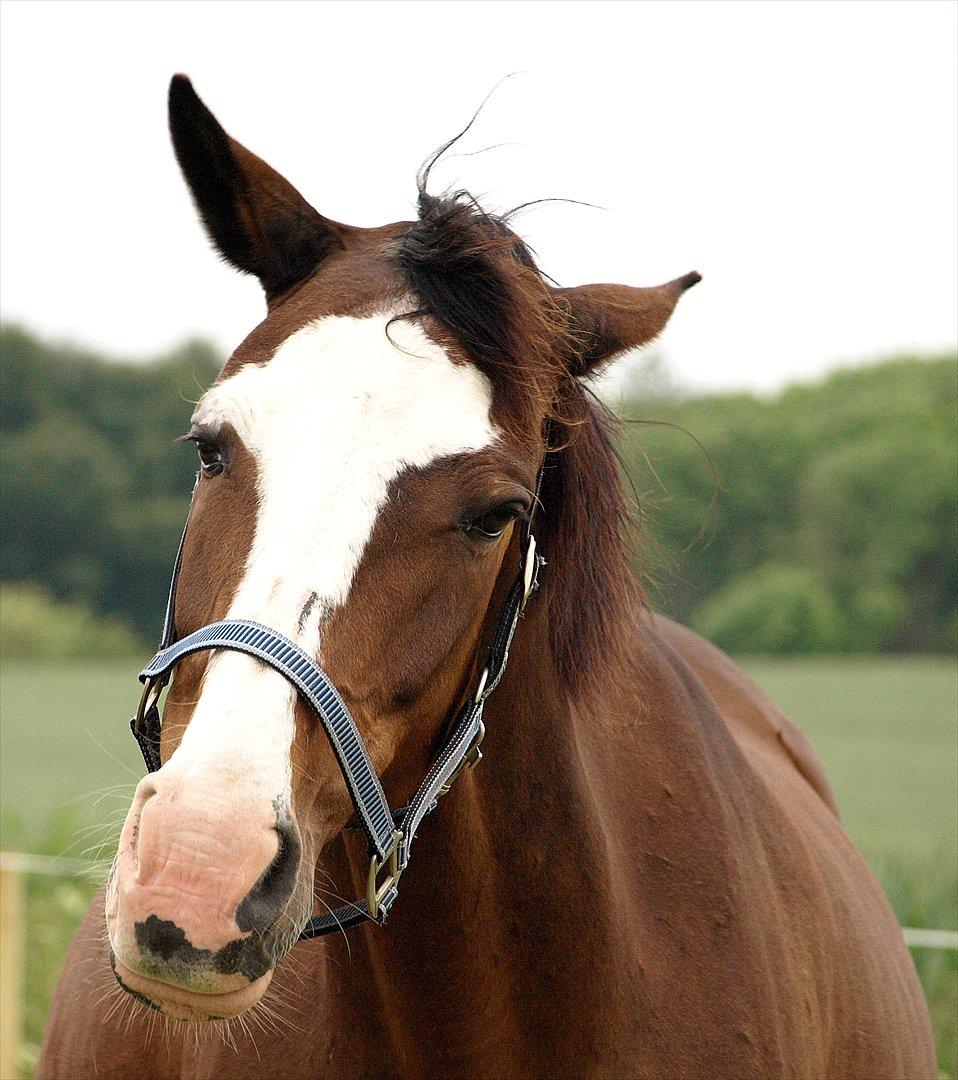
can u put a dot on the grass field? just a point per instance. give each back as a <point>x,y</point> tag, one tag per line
<point>887,731</point>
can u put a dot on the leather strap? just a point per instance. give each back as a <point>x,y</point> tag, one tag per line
<point>169,626</point>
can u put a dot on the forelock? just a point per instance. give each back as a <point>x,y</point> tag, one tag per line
<point>479,282</point>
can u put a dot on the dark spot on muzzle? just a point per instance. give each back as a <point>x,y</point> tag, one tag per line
<point>325,610</point>
<point>307,608</point>
<point>163,945</point>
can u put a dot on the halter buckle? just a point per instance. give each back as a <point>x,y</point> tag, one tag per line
<point>471,757</point>
<point>376,891</point>
<point>480,689</point>
<point>530,572</point>
<point>474,755</point>
<point>152,690</point>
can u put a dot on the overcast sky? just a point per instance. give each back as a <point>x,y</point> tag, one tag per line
<point>801,156</point>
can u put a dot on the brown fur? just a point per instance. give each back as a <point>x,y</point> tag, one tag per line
<point>646,877</point>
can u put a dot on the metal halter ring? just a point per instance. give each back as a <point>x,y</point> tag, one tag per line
<point>483,679</point>
<point>376,892</point>
<point>530,571</point>
<point>152,689</point>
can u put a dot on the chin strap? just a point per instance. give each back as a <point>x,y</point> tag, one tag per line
<point>389,835</point>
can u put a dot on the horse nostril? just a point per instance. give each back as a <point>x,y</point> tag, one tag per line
<point>264,903</point>
<point>130,836</point>
<point>145,789</point>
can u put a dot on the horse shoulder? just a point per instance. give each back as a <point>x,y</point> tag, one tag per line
<point>752,717</point>
<point>832,918</point>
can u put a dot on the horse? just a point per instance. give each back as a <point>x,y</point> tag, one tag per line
<point>645,876</point>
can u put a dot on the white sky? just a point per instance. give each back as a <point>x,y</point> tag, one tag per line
<point>802,156</point>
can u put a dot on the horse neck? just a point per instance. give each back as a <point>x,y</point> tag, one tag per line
<point>509,886</point>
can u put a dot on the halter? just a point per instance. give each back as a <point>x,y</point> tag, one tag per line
<point>389,834</point>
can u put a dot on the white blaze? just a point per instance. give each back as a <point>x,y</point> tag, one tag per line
<point>331,420</point>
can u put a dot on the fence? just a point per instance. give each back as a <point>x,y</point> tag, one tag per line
<point>14,865</point>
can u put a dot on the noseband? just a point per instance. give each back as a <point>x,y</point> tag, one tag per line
<point>389,834</point>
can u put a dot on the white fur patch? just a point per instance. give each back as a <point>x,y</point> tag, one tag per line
<point>332,419</point>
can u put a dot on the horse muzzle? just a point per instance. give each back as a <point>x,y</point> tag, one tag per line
<point>197,907</point>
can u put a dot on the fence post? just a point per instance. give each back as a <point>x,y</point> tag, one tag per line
<point>11,967</point>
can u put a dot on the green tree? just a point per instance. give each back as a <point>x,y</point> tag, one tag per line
<point>777,609</point>
<point>850,483</point>
<point>93,487</point>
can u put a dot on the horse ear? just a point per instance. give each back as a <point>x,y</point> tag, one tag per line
<point>257,220</point>
<point>607,320</point>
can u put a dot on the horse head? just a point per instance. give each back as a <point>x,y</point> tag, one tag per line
<point>366,460</point>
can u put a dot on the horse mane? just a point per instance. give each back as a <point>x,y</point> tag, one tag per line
<point>480,283</point>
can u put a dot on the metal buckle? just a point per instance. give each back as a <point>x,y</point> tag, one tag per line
<point>152,690</point>
<point>471,757</point>
<point>483,679</point>
<point>530,573</point>
<point>376,892</point>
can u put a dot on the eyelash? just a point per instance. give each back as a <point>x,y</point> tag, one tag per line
<point>215,462</point>
<point>493,531</point>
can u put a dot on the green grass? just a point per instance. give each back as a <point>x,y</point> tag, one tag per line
<point>887,731</point>
<point>64,737</point>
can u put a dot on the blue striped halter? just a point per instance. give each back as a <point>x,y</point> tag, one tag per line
<point>389,833</point>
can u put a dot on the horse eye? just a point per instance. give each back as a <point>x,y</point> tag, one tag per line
<point>491,525</point>
<point>211,457</point>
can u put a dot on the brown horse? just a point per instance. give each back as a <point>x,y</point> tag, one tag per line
<point>646,876</point>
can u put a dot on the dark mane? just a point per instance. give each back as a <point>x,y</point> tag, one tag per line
<point>480,283</point>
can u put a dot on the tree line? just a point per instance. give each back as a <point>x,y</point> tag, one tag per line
<point>93,487</point>
<point>822,519</point>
